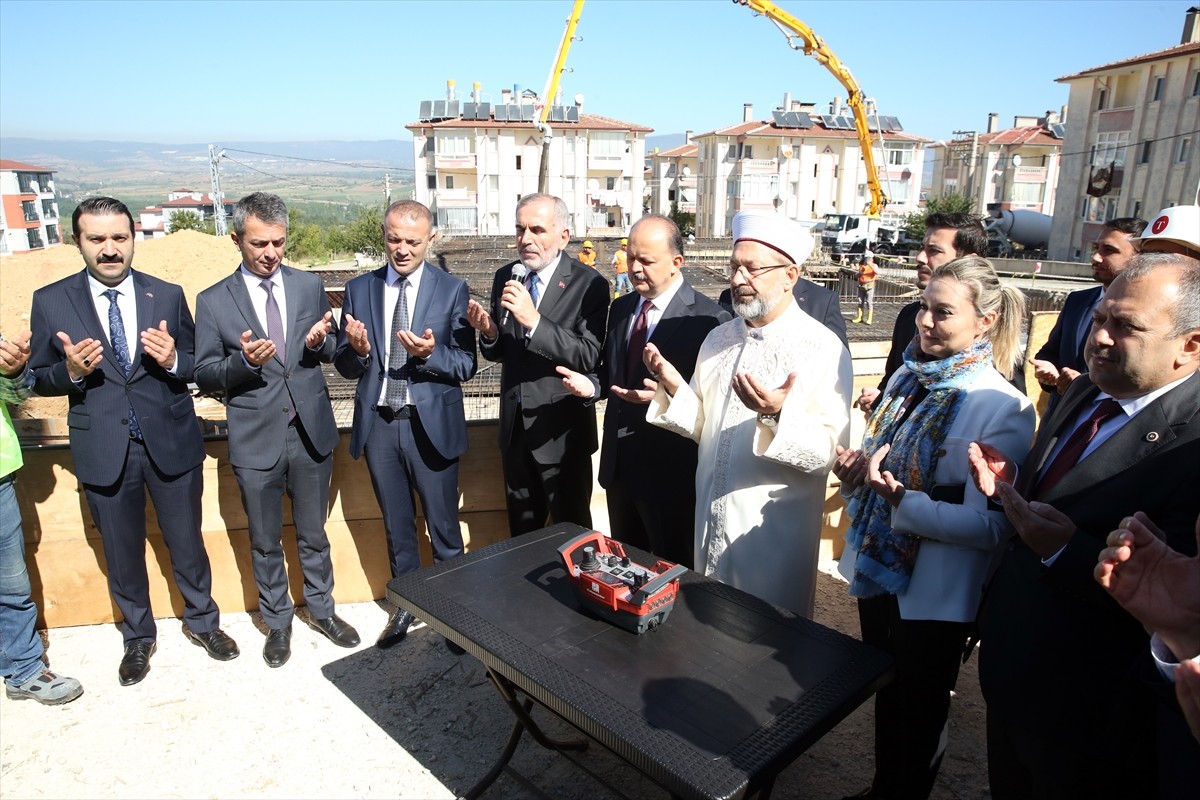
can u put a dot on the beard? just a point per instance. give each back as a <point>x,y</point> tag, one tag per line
<point>759,306</point>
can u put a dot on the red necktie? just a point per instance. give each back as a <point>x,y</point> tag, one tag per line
<point>637,343</point>
<point>1076,444</point>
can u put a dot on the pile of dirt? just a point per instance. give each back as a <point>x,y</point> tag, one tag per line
<point>191,259</point>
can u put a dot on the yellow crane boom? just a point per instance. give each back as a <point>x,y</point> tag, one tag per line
<point>548,93</point>
<point>814,46</point>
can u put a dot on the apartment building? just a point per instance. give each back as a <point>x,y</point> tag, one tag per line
<point>28,209</point>
<point>802,164</point>
<point>1130,149</point>
<point>154,222</point>
<point>673,176</point>
<point>1015,168</point>
<point>474,160</point>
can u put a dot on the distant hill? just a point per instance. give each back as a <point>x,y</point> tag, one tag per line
<point>72,154</point>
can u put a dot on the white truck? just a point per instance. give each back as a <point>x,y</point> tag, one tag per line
<point>846,234</point>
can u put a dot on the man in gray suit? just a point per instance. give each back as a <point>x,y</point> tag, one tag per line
<point>118,344</point>
<point>261,337</point>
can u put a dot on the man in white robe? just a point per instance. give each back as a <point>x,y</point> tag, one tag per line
<point>768,402</point>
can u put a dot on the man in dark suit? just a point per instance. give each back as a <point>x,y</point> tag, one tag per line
<point>1060,360</point>
<point>118,344</point>
<point>818,302</point>
<point>1125,438</point>
<point>552,317</point>
<point>948,235</point>
<point>261,337</point>
<point>408,409</point>
<point>665,310</point>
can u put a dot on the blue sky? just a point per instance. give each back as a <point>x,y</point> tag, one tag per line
<point>182,71</point>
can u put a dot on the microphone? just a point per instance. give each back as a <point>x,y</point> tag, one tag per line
<point>518,274</point>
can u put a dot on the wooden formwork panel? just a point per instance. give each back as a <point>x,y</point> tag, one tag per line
<point>66,557</point>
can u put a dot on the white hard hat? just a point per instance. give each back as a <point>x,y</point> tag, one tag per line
<point>867,254</point>
<point>1178,224</point>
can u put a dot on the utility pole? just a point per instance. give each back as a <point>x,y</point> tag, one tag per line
<point>214,158</point>
<point>387,190</point>
<point>972,164</point>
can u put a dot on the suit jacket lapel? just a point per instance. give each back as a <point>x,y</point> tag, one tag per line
<point>145,318</point>
<point>558,284</point>
<point>1136,440</point>
<point>429,282</point>
<point>240,296</point>
<point>1056,425</point>
<point>376,295</point>
<point>618,331</point>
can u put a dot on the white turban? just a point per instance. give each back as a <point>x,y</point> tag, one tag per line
<point>785,235</point>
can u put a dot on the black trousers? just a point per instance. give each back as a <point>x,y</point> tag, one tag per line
<point>911,712</point>
<point>536,492</point>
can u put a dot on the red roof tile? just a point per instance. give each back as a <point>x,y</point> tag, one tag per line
<point>682,151</point>
<point>17,166</point>
<point>1029,134</point>
<point>1159,55</point>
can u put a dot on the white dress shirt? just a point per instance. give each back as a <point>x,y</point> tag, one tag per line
<point>391,291</point>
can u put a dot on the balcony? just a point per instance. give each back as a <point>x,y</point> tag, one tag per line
<point>454,197</point>
<point>454,160</point>
<point>755,166</point>
<point>608,163</point>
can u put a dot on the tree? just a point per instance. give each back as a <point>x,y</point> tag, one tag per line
<point>363,235</point>
<point>914,223</point>
<point>186,221</point>
<point>305,240</point>
<point>686,220</point>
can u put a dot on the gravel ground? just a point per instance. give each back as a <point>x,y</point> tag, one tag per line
<point>412,722</point>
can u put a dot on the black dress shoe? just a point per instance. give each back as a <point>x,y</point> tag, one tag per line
<point>455,648</point>
<point>338,631</point>
<point>216,642</point>
<point>278,647</point>
<point>136,662</point>
<point>395,630</point>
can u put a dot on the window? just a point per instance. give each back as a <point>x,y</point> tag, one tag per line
<point>48,209</point>
<point>449,181</point>
<point>1101,209</point>
<point>900,157</point>
<point>25,182</point>
<point>1185,148</point>
<point>35,238</point>
<point>568,185</point>
<point>757,188</point>
<point>30,211</point>
<point>457,220</point>
<point>1196,84</point>
<point>455,144</point>
<point>814,170</point>
<point>1137,209</point>
<point>610,183</point>
<point>493,183</point>
<point>1145,159</point>
<point>1110,149</point>
<point>52,234</point>
<point>431,181</point>
<point>606,144</point>
<point>627,184</point>
<point>745,150</point>
<point>518,163</point>
<point>569,146</point>
<point>1102,100</point>
<point>1158,88</point>
<point>429,146</point>
<point>1026,193</point>
<point>901,191</point>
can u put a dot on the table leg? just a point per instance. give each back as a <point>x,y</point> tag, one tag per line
<point>524,723</point>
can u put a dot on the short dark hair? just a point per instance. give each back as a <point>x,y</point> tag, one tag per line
<point>99,207</point>
<point>674,237</point>
<point>268,208</point>
<point>970,238</point>
<point>1130,226</point>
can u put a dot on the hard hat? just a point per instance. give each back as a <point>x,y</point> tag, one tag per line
<point>1178,224</point>
<point>868,255</point>
<point>624,241</point>
<point>587,244</point>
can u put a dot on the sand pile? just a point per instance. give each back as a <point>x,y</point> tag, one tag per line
<point>191,259</point>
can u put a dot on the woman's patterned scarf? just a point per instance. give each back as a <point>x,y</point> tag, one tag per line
<point>885,558</point>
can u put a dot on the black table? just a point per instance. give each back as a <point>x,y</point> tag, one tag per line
<point>713,704</point>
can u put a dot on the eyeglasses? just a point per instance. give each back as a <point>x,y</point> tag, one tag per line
<point>754,272</point>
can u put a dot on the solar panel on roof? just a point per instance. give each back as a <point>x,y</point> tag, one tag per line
<point>1057,130</point>
<point>426,110</point>
<point>828,121</point>
<point>527,113</point>
<point>483,111</point>
<point>780,119</point>
<point>803,120</point>
<point>452,108</point>
<point>573,114</point>
<point>439,110</point>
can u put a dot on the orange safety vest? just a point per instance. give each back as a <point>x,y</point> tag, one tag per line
<point>621,261</point>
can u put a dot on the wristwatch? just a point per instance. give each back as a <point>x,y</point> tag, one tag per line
<point>769,420</point>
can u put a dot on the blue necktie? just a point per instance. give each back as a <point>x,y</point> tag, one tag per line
<point>534,292</point>
<point>116,336</point>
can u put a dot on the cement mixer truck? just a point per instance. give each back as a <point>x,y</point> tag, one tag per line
<point>1007,227</point>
